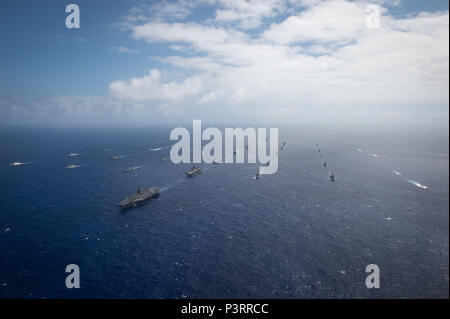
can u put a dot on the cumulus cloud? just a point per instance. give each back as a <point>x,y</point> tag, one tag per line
<point>249,14</point>
<point>203,37</point>
<point>324,58</point>
<point>282,60</point>
<point>152,88</point>
<point>246,13</point>
<point>331,21</point>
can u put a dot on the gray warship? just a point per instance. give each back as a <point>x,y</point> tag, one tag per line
<point>140,197</point>
<point>194,171</point>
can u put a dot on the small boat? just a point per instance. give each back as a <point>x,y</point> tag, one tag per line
<point>16,164</point>
<point>129,169</point>
<point>194,171</point>
<point>116,157</point>
<point>73,154</point>
<point>72,166</point>
<point>332,177</point>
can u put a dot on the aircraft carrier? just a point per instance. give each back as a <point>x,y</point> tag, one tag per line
<point>141,196</point>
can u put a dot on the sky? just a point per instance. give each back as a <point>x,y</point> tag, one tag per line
<point>138,62</point>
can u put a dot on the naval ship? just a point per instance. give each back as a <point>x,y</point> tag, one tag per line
<point>140,197</point>
<point>194,171</point>
<point>16,164</point>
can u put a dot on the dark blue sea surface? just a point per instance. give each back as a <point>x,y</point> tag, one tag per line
<point>222,234</point>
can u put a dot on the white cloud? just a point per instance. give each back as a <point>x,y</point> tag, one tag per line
<point>211,96</point>
<point>246,13</point>
<point>164,10</point>
<point>321,59</point>
<point>249,13</point>
<point>331,21</point>
<point>195,63</point>
<point>317,59</point>
<point>152,88</point>
<point>203,37</point>
<point>124,50</point>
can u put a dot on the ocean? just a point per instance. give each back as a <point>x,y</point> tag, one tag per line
<point>224,234</point>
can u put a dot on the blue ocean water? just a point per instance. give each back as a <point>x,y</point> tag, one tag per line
<point>223,234</point>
